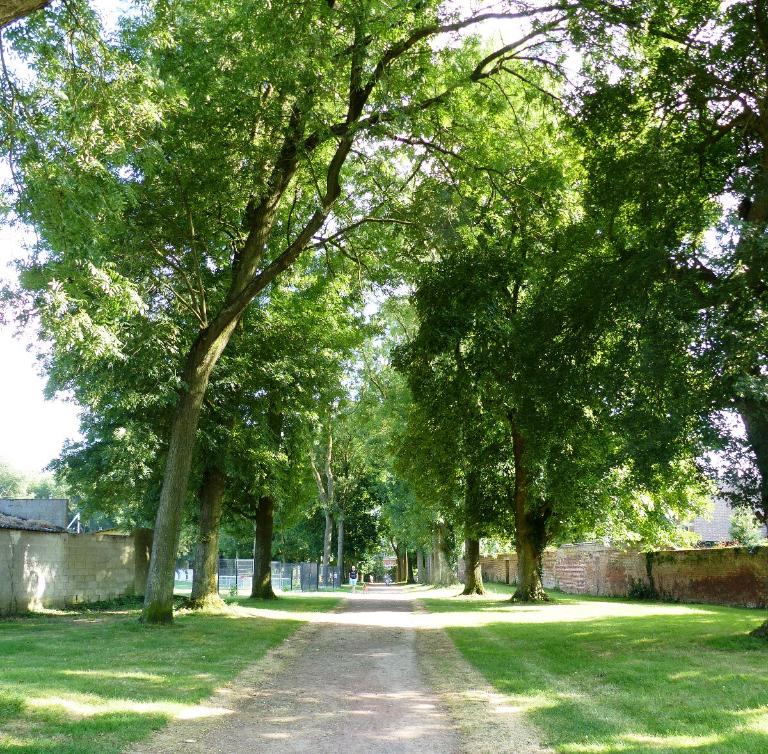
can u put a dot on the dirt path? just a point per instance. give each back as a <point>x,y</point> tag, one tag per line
<point>351,684</point>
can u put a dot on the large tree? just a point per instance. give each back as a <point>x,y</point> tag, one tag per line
<point>215,160</point>
<point>547,392</point>
<point>679,145</point>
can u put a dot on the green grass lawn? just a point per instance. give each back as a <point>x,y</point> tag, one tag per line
<point>604,675</point>
<point>96,681</point>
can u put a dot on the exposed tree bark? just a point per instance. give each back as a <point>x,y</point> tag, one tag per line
<point>205,581</point>
<point>473,575</point>
<point>409,558</point>
<point>441,572</point>
<point>327,541</point>
<point>13,10</point>
<point>420,566</point>
<point>530,532</point>
<point>158,600</point>
<point>754,413</point>
<point>401,573</point>
<point>340,545</point>
<point>326,492</point>
<point>261,587</point>
<point>247,283</point>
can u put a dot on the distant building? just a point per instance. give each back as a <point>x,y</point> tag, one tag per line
<point>717,527</point>
<point>52,511</point>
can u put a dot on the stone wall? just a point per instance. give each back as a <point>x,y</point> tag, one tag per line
<point>52,510</point>
<point>40,569</point>
<point>723,576</point>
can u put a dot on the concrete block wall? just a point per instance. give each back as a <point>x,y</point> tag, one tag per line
<point>40,569</point>
<point>722,576</point>
<point>51,510</point>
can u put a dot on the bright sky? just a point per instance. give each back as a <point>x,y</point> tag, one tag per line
<point>32,430</point>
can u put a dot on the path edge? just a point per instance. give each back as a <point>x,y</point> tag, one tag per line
<point>486,719</point>
<point>178,735</point>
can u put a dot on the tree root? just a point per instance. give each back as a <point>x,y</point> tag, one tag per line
<point>527,597</point>
<point>206,602</point>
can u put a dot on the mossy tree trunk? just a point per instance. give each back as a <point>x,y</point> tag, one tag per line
<point>261,588</point>
<point>250,277</point>
<point>205,579</point>
<point>530,531</point>
<point>473,574</point>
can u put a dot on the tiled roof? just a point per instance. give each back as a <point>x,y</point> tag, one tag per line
<point>26,524</point>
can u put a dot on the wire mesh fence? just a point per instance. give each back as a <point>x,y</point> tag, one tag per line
<point>236,575</point>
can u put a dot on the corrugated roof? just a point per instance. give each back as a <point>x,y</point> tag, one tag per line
<point>26,524</point>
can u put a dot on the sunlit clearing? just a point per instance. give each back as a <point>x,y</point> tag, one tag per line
<point>505,705</point>
<point>631,741</point>
<point>507,613</point>
<point>755,721</point>
<point>83,706</point>
<point>122,674</point>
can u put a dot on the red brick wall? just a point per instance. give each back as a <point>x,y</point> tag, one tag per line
<point>724,576</point>
<point>727,576</point>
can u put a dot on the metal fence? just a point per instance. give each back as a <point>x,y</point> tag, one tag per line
<point>237,574</point>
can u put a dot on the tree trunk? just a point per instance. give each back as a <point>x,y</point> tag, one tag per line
<point>441,572</point>
<point>261,587</point>
<point>473,575</point>
<point>13,10</point>
<point>340,546</point>
<point>248,281</point>
<point>205,582</point>
<point>420,566</point>
<point>530,532</point>
<point>754,413</point>
<point>410,557</point>
<point>158,600</point>
<point>401,573</point>
<point>427,558</point>
<point>327,541</point>
<point>529,586</point>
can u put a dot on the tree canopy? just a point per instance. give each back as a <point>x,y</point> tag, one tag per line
<point>361,262</point>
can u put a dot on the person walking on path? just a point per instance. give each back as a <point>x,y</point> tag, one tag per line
<point>353,578</point>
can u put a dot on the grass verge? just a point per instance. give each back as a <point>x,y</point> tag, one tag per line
<point>605,676</point>
<point>95,680</point>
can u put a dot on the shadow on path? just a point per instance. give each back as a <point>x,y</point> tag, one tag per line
<point>350,688</point>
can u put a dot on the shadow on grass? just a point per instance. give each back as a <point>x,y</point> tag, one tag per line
<point>688,682</point>
<point>97,680</point>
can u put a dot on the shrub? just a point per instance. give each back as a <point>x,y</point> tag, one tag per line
<point>745,528</point>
